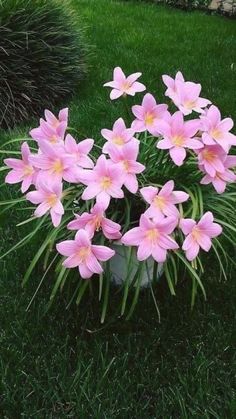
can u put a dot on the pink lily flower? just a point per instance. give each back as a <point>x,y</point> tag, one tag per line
<point>53,121</point>
<point>48,196</point>
<point>171,84</point>
<point>185,94</point>
<point>152,238</point>
<point>127,157</point>
<point>103,182</point>
<point>118,136</point>
<point>148,115</point>
<point>82,253</point>
<point>22,170</point>
<point>47,132</point>
<point>220,179</point>
<point>162,202</point>
<point>55,163</point>
<point>216,131</point>
<point>80,151</point>
<point>94,221</point>
<point>188,99</point>
<point>178,136</point>
<point>199,235</point>
<point>211,159</point>
<point>122,85</point>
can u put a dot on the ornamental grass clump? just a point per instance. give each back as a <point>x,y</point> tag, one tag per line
<point>159,187</point>
<point>42,55</point>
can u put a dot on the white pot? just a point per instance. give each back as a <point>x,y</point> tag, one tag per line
<point>118,266</point>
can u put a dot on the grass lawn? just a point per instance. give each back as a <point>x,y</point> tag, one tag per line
<point>64,364</point>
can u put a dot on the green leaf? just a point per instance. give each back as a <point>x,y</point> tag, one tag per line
<point>169,279</point>
<point>25,239</point>
<point>63,272</point>
<point>82,289</point>
<point>138,275</point>
<point>106,293</point>
<point>12,201</point>
<point>192,271</point>
<point>37,256</point>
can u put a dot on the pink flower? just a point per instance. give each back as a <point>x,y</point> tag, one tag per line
<point>79,151</point>
<point>22,170</point>
<point>199,235</point>
<point>53,121</point>
<point>53,129</point>
<point>185,94</point>
<point>118,136</point>
<point>82,253</point>
<point>216,131</point>
<point>170,83</point>
<point>178,136</point>
<point>220,179</point>
<point>211,159</point>
<point>122,85</point>
<point>94,221</point>
<point>148,115</point>
<point>162,202</point>
<point>48,196</point>
<point>55,163</point>
<point>103,182</point>
<point>127,157</point>
<point>188,98</point>
<point>152,238</point>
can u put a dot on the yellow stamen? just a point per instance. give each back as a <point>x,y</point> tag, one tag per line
<point>178,140</point>
<point>52,199</point>
<point>57,166</point>
<point>149,118</point>
<point>83,253</point>
<point>97,222</point>
<point>152,235</point>
<point>53,139</point>
<point>106,182</point>
<point>125,85</point>
<point>118,140</point>
<point>28,170</point>
<point>196,233</point>
<point>216,134</point>
<point>190,104</point>
<point>160,202</point>
<point>209,155</point>
<point>126,165</point>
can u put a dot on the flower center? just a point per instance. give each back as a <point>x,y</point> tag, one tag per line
<point>57,166</point>
<point>149,118</point>
<point>53,139</point>
<point>28,170</point>
<point>126,85</point>
<point>126,165</point>
<point>216,134</point>
<point>189,104</point>
<point>208,155</point>
<point>178,140</point>
<point>52,199</point>
<point>152,235</point>
<point>83,253</point>
<point>96,222</point>
<point>118,140</point>
<point>160,202</point>
<point>106,182</point>
<point>196,233</point>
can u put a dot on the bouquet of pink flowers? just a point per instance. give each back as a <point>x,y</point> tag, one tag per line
<point>90,196</point>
